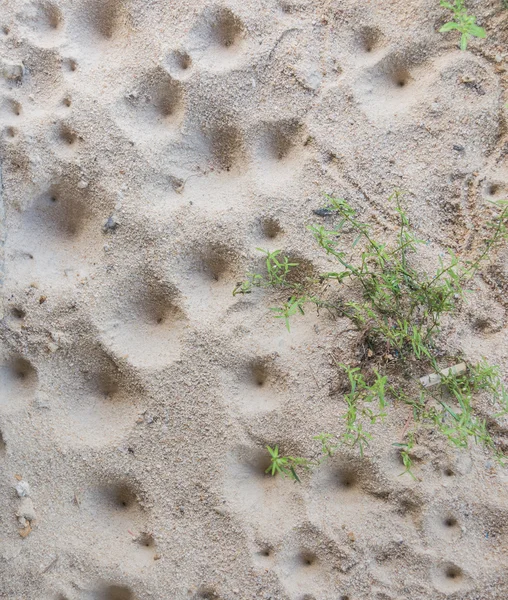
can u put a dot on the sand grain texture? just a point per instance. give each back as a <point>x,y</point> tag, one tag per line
<point>147,149</point>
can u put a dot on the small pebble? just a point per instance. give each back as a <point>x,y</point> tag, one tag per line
<point>12,71</point>
<point>22,489</point>
<point>110,225</point>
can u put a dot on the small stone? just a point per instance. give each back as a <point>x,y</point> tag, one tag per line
<point>22,489</point>
<point>110,225</point>
<point>458,147</point>
<point>12,71</point>
<point>82,184</point>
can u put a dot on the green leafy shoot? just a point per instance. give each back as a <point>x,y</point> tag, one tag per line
<point>277,269</point>
<point>284,465</point>
<point>405,454</point>
<point>364,403</point>
<point>462,22</point>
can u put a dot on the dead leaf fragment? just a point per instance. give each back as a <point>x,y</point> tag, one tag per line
<point>25,531</point>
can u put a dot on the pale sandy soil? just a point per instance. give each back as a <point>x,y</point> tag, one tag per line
<point>148,148</point>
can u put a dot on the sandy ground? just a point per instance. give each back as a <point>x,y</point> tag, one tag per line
<point>148,148</point>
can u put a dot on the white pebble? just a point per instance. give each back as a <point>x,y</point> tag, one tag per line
<point>22,489</point>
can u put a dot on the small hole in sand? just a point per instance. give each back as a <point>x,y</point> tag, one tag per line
<point>18,378</point>
<point>450,522</point>
<point>54,17</point>
<point>18,313</point>
<point>287,8</point>
<point>449,472</point>
<point>271,227</point>
<point>280,139</point>
<point>108,385</point>
<point>146,540</point>
<point>184,61</point>
<point>493,189</point>
<point>307,559</point>
<point>178,62</point>
<point>217,262</point>
<point>481,323</point>
<point>303,270</point>
<point>369,39</point>
<point>453,572</point>
<point>401,78</point>
<point>346,480</point>
<point>67,136</point>
<point>160,97</point>
<point>170,98</point>
<point>49,16</point>
<point>22,369</point>
<point>11,132</point>
<point>108,16</point>
<point>265,552</point>
<point>121,496</point>
<point>67,102</point>
<point>259,373</point>
<point>70,64</point>
<point>117,592</point>
<point>227,28</point>
<point>62,209</point>
<point>207,593</point>
<point>226,146</point>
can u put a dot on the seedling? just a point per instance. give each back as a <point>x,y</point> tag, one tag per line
<point>462,22</point>
<point>405,449</point>
<point>284,465</point>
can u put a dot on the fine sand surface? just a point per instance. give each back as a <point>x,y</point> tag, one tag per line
<point>148,147</point>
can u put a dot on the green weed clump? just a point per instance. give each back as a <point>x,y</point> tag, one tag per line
<point>462,22</point>
<point>399,317</point>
